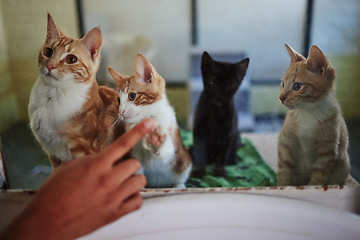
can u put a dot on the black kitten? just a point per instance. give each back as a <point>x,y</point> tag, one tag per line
<point>216,136</point>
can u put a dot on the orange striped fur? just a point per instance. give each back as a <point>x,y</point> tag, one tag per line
<point>165,160</point>
<point>312,147</point>
<point>70,114</point>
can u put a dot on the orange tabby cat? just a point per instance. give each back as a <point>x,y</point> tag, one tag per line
<point>312,148</point>
<point>70,114</point>
<point>164,159</point>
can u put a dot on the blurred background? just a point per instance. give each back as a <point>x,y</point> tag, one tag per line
<point>173,36</point>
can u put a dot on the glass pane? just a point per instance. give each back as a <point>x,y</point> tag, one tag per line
<point>229,30</point>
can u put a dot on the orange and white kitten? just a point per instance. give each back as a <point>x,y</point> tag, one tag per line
<point>165,160</point>
<point>312,147</point>
<point>70,114</point>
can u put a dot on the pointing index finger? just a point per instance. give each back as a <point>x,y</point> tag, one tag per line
<point>128,140</point>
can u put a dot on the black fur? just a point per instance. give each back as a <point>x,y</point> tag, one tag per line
<point>216,136</point>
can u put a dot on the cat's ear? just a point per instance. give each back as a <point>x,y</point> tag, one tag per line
<point>208,65</point>
<point>52,29</point>
<point>294,56</point>
<point>242,66</point>
<point>317,61</point>
<point>206,59</point>
<point>92,41</point>
<point>118,77</point>
<point>144,71</point>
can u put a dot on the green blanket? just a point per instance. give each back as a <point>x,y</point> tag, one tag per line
<point>250,171</point>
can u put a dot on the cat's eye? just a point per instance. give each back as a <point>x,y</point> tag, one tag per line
<point>132,96</point>
<point>71,59</point>
<point>282,84</point>
<point>297,86</point>
<point>118,101</point>
<point>48,52</point>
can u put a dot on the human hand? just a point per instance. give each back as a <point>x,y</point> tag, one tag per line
<point>84,194</point>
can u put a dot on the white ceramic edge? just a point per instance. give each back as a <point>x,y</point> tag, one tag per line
<point>271,214</point>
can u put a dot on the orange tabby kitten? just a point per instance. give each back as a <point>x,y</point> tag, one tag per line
<point>70,114</point>
<point>165,160</point>
<point>313,142</point>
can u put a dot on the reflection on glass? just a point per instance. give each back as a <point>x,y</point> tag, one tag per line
<point>162,31</point>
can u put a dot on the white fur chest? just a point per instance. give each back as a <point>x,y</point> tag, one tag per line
<point>159,168</point>
<point>49,108</point>
<point>309,121</point>
<point>164,116</point>
<point>307,128</point>
<point>307,125</point>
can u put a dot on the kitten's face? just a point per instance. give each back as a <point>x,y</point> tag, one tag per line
<point>64,60</point>
<point>296,90</point>
<point>222,77</point>
<point>306,80</point>
<point>134,100</point>
<point>138,93</point>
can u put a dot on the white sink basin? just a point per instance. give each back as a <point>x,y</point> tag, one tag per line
<point>231,216</point>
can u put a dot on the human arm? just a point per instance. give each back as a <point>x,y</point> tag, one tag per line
<point>84,194</point>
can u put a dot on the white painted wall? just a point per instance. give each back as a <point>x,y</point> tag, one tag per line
<point>165,23</point>
<point>336,28</point>
<point>260,28</point>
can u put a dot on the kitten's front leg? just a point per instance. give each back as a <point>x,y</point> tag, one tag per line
<point>286,162</point>
<point>180,186</point>
<point>154,140</point>
<point>322,168</point>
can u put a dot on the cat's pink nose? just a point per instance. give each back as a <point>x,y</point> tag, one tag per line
<point>50,67</point>
<point>122,112</point>
<point>282,98</point>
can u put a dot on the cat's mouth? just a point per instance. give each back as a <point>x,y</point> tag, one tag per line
<point>121,117</point>
<point>49,76</point>
<point>124,117</point>
<point>127,117</point>
<point>290,106</point>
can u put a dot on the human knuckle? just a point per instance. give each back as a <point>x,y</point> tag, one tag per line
<point>121,143</point>
<point>137,181</point>
<point>93,166</point>
<point>132,165</point>
<point>111,216</point>
<point>142,180</point>
<point>136,164</point>
<point>103,182</point>
<point>108,202</point>
<point>138,203</point>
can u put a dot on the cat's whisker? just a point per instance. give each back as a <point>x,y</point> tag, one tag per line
<point>116,122</point>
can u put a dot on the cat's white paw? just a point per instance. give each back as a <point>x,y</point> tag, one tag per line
<point>180,186</point>
<point>141,171</point>
<point>154,140</point>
